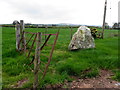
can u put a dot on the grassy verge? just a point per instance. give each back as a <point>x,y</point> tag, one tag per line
<point>82,63</point>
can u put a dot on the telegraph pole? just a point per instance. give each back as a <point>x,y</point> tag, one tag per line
<point>104,16</point>
<point>118,14</point>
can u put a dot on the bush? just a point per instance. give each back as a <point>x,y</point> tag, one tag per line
<point>95,33</point>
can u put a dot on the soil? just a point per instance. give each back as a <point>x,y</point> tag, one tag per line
<point>102,81</point>
<point>20,83</point>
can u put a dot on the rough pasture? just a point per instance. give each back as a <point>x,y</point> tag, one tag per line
<point>64,63</point>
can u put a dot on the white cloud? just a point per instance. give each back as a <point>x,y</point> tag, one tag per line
<point>58,11</point>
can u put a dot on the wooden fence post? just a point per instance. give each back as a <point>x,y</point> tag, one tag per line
<point>37,60</point>
<point>46,32</point>
<point>21,26</point>
<point>17,29</point>
<point>71,32</point>
<point>22,35</point>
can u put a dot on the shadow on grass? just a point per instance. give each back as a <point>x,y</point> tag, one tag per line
<point>12,53</point>
<point>78,50</point>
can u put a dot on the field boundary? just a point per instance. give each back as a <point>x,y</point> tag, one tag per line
<point>21,45</point>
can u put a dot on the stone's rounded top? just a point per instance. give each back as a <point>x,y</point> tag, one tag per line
<point>83,28</point>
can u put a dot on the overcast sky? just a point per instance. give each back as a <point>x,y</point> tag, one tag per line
<point>89,12</point>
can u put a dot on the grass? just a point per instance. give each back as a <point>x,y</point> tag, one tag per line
<point>0,57</point>
<point>82,63</point>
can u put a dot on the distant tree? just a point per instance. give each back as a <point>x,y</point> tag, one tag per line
<point>119,25</point>
<point>115,25</point>
<point>28,24</point>
<point>15,22</point>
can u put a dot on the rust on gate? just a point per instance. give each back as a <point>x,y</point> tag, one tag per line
<point>45,43</point>
<point>50,57</point>
<point>31,44</point>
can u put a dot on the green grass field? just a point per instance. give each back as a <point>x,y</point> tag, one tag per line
<point>0,57</point>
<point>64,63</point>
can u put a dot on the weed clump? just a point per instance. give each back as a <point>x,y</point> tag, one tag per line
<point>95,33</point>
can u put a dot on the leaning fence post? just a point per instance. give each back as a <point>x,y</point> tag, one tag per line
<point>17,28</point>
<point>37,60</point>
<point>22,34</point>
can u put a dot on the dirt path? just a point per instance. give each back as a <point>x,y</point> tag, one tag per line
<point>102,81</point>
<point>20,83</point>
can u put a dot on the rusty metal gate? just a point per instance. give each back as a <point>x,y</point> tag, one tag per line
<point>28,45</point>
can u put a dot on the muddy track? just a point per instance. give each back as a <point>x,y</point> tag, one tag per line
<point>102,81</point>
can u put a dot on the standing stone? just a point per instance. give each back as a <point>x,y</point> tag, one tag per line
<point>82,39</point>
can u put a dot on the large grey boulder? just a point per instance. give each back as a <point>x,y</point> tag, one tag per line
<point>82,39</point>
